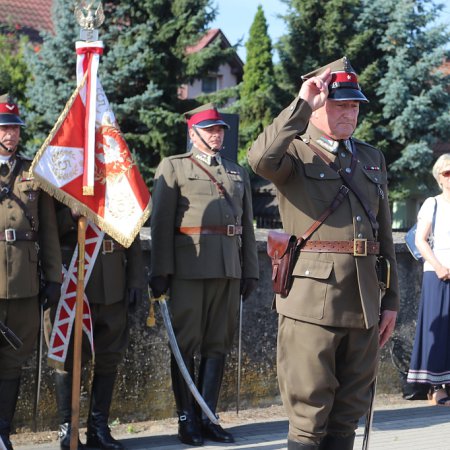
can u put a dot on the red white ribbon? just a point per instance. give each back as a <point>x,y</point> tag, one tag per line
<point>65,313</point>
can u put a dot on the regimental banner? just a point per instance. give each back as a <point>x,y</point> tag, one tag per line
<point>85,162</point>
<point>65,313</point>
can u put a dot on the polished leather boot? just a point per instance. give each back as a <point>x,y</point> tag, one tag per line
<point>209,382</point>
<point>63,384</point>
<point>295,445</point>
<point>331,442</point>
<point>188,427</point>
<point>98,433</point>
<point>9,391</point>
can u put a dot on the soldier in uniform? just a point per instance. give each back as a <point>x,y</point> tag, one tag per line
<point>113,289</point>
<point>332,323</point>
<point>204,251</point>
<point>28,245</point>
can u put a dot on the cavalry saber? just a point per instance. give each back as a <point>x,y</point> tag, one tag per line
<point>10,337</point>
<point>181,365</point>
<point>239,365</point>
<point>38,375</point>
<point>369,418</point>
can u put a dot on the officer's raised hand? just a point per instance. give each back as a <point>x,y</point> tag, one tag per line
<point>248,285</point>
<point>159,285</point>
<point>314,90</point>
<point>49,294</point>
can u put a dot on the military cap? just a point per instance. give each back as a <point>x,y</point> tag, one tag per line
<point>9,111</point>
<point>344,81</point>
<point>204,117</point>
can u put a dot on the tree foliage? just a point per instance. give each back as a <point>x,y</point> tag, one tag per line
<point>144,63</point>
<point>397,49</point>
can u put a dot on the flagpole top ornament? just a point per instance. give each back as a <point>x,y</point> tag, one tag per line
<point>90,16</point>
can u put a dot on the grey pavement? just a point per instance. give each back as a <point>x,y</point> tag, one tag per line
<point>406,426</point>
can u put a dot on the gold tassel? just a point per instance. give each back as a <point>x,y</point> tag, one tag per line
<point>151,322</point>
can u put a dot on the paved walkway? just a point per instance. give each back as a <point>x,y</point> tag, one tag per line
<point>407,426</point>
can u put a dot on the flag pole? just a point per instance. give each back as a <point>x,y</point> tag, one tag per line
<point>78,330</point>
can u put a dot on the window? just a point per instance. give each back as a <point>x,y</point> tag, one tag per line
<point>209,84</point>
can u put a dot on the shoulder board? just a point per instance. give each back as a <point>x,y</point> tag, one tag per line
<point>23,157</point>
<point>359,142</point>
<point>179,156</point>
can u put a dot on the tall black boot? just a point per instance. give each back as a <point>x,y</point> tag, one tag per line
<point>295,445</point>
<point>188,428</point>
<point>331,442</point>
<point>9,391</point>
<point>209,382</point>
<point>63,384</point>
<point>98,433</point>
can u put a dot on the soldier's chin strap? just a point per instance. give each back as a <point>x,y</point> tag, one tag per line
<point>215,150</point>
<point>9,150</point>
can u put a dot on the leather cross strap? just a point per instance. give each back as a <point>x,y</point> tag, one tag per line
<point>12,235</point>
<point>220,188</point>
<point>349,182</point>
<point>355,247</point>
<point>227,230</point>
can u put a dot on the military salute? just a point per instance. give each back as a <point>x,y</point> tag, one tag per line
<point>331,324</point>
<point>204,254</point>
<point>114,287</point>
<point>29,254</point>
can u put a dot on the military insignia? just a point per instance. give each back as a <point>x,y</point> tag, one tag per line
<point>375,168</point>
<point>32,195</point>
<point>86,17</point>
<point>328,144</point>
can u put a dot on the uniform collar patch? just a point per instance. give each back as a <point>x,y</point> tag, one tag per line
<point>328,144</point>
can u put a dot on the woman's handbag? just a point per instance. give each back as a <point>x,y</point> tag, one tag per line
<point>410,237</point>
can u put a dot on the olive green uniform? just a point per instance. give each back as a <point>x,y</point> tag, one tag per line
<point>21,260</point>
<point>205,269</point>
<point>328,324</point>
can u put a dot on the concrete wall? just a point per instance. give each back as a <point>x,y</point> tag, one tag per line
<point>143,389</point>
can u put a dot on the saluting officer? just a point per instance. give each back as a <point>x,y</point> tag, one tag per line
<point>28,244</point>
<point>113,290</point>
<point>331,324</point>
<point>204,251</point>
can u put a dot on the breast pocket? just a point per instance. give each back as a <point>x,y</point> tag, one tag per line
<point>330,181</point>
<point>29,195</point>
<point>375,188</point>
<point>198,184</point>
<point>236,187</point>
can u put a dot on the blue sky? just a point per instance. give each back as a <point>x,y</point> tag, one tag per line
<point>236,16</point>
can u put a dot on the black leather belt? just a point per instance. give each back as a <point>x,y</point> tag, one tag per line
<point>12,235</point>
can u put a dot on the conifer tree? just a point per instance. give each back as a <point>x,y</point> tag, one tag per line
<point>258,91</point>
<point>144,64</point>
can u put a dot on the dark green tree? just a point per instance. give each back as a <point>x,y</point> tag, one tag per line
<point>144,63</point>
<point>258,91</point>
<point>397,49</point>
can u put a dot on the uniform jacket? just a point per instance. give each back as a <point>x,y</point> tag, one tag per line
<point>329,288</point>
<point>184,196</point>
<point>19,276</point>
<point>112,273</point>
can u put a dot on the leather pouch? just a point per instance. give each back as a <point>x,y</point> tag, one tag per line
<point>282,250</point>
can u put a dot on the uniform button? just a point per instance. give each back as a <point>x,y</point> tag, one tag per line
<point>343,154</point>
<point>348,170</point>
<point>321,175</point>
<point>360,235</point>
<point>227,216</point>
<point>306,272</point>
<point>376,178</point>
<point>358,218</point>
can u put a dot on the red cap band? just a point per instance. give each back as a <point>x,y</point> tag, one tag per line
<point>343,77</point>
<point>209,114</point>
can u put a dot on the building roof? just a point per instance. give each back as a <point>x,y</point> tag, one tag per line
<point>35,15</point>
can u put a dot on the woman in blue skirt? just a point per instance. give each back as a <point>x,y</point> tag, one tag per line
<point>430,359</point>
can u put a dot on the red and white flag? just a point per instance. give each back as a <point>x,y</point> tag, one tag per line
<point>85,162</point>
